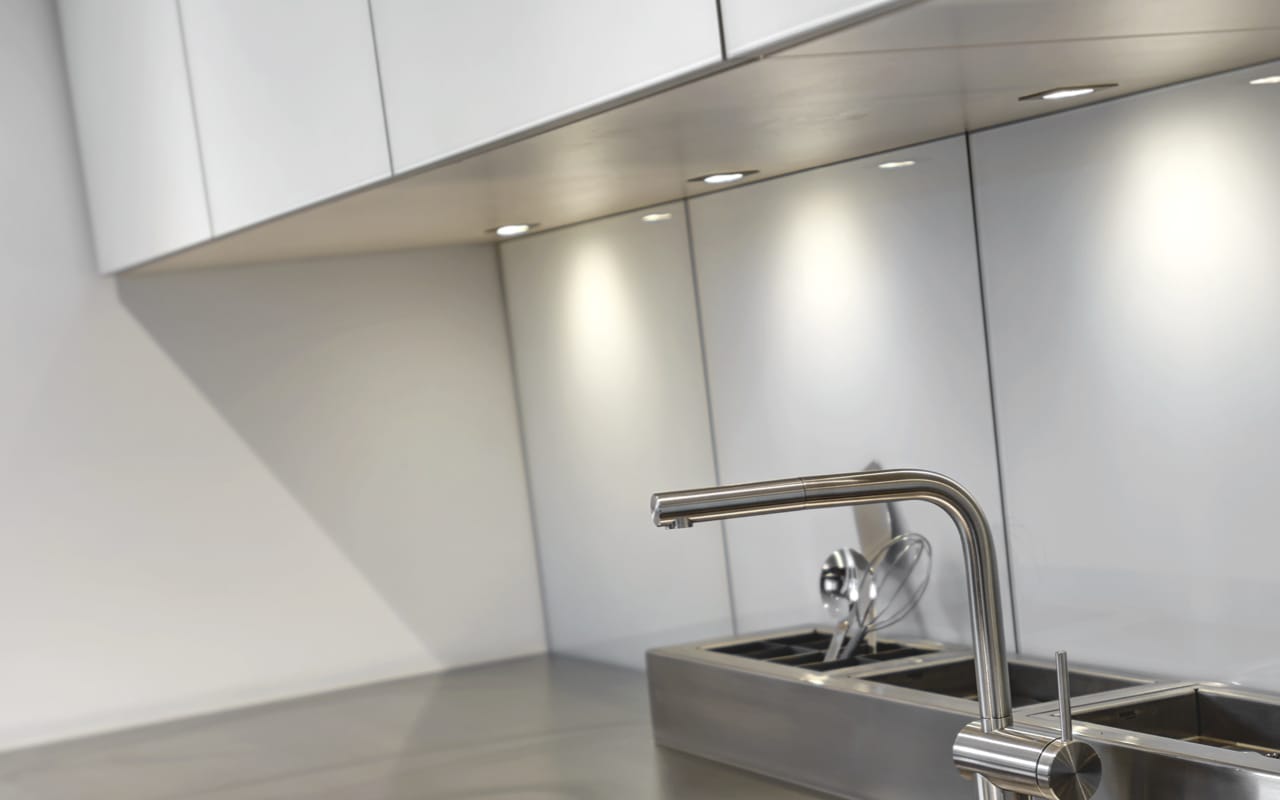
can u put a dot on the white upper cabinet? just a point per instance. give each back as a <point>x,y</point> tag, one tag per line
<point>138,141</point>
<point>756,24</point>
<point>459,74</point>
<point>287,102</point>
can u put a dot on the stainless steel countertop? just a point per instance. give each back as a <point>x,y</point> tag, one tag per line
<point>532,729</point>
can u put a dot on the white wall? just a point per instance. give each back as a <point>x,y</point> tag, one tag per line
<point>1132,259</point>
<point>605,338</point>
<point>843,324</point>
<point>219,505</point>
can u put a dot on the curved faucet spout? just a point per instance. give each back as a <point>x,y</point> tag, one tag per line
<point>682,509</point>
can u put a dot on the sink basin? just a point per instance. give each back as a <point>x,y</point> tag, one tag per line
<point>1031,683</point>
<point>1216,717</point>
<point>1182,740</point>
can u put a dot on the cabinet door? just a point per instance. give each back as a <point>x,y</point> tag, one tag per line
<point>137,136</point>
<point>755,24</point>
<point>457,75</point>
<point>287,103</point>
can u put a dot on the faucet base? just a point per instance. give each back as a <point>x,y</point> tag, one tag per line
<point>1029,761</point>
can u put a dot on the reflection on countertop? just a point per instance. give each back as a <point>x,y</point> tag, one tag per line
<point>532,728</point>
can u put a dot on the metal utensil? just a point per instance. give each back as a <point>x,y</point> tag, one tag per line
<point>899,574</point>
<point>842,584</point>
<point>877,523</point>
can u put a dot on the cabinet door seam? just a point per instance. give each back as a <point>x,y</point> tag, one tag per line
<point>195,117</point>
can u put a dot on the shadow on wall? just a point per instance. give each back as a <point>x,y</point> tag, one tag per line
<point>378,391</point>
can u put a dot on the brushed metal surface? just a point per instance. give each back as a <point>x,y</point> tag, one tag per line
<point>843,732</point>
<point>834,735</point>
<point>1166,753</point>
<point>533,729</point>
<point>1070,770</point>
<point>682,509</point>
<point>1029,760</point>
<point>1225,720</point>
<point>1032,683</point>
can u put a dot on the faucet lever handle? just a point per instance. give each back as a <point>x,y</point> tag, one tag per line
<point>1064,695</point>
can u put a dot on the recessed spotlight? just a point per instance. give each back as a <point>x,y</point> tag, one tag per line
<point>724,177</point>
<point>1267,81</point>
<point>656,216</point>
<point>896,164</point>
<point>513,229</point>
<point>1067,92</point>
<point>717,178</point>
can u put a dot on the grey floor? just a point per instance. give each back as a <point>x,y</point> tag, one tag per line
<point>531,729</point>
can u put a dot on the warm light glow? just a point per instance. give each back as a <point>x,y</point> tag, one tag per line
<point>513,230</point>
<point>826,275</point>
<point>657,216</point>
<point>1183,253</point>
<point>607,340</point>
<point>897,164</point>
<point>1063,94</point>
<point>724,177</point>
<point>1267,81</point>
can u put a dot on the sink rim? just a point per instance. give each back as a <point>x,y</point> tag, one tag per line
<point>1138,682</point>
<point>704,651</point>
<point>1154,744</point>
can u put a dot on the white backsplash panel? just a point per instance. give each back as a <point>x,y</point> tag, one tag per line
<point>1131,253</point>
<point>842,320</point>
<point>609,373</point>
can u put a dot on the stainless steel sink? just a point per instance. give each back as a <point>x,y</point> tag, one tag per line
<point>882,724</point>
<point>761,705</point>
<point>1031,682</point>
<point>1200,715</point>
<point>740,702</point>
<point>1188,740</point>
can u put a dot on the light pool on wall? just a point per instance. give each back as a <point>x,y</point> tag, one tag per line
<point>826,270</point>
<point>600,317</point>
<point>1181,244</point>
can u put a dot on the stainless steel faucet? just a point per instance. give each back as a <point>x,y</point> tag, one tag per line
<point>1006,761</point>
